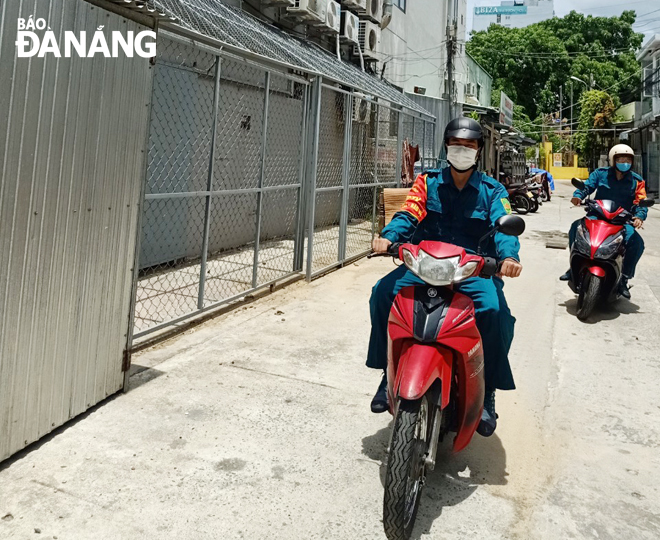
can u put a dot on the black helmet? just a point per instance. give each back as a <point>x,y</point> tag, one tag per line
<point>464,128</point>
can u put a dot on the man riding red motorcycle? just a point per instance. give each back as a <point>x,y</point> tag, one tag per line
<point>458,205</point>
<point>626,189</point>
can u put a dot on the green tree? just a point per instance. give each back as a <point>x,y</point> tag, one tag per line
<point>597,112</point>
<point>527,79</point>
<point>530,64</point>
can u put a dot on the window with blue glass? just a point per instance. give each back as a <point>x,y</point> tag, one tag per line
<point>401,4</point>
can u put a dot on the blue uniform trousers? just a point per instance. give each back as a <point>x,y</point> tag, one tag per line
<point>634,247</point>
<point>494,321</point>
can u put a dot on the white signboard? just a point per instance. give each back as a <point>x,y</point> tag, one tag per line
<point>556,160</point>
<point>506,110</point>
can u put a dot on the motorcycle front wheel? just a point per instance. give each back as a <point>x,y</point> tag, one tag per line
<point>534,205</point>
<point>521,204</point>
<point>589,294</point>
<point>406,467</point>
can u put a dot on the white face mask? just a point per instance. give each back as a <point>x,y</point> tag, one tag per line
<point>461,157</point>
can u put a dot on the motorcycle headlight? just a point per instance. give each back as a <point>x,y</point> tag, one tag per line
<point>583,241</point>
<point>438,272</point>
<point>465,271</point>
<point>609,248</point>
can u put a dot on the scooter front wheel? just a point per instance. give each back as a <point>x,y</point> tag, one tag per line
<point>589,294</point>
<point>534,205</point>
<point>406,467</point>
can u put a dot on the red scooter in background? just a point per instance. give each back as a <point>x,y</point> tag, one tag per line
<point>435,368</point>
<point>597,253</point>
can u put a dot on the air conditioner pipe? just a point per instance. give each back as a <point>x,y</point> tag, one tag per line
<point>361,56</point>
<point>338,50</point>
<point>387,14</point>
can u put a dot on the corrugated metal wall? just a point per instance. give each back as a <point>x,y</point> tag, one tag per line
<point>71,159</point>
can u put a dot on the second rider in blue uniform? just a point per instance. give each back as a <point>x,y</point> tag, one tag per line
<point>457,205</point>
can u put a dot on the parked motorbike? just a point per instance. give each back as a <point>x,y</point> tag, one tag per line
<point>535,189</point>
<point>435,368</point>
<point>596,256</point>
<point>522,199</point>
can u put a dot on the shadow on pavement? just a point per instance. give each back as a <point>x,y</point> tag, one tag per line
<point>140,375</point>
<point>607,312</point>
<point>455,477</point>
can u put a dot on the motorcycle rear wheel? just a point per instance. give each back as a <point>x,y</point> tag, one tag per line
<point>521,204</point>
<point>589,294</point>
<point>405,474</point>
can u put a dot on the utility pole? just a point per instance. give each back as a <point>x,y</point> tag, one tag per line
<point>571,131</point>
<point>561,110</point>
<point>452,31</point>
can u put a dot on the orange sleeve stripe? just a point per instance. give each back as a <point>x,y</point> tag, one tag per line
<point>415,203</point>
<point>640,191</point>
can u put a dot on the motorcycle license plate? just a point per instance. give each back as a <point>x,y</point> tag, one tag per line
<point>530,195</point>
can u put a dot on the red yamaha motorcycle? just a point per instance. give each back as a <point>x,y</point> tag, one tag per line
<point>435,368</point>
<point>597,253</point>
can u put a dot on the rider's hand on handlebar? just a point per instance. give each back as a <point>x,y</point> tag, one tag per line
<point>576,201</point>
<point>638,223</point>
<point>380,245</point>
<point>510,268</point>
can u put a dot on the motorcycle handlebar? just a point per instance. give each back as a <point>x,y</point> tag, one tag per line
<point>590,202</point>
<point>491,267</point>
<point>392,251</point>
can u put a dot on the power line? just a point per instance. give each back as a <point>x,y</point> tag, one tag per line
<point>647,14</point>
<point>649,22</point>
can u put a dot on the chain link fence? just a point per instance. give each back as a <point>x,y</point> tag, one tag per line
<point>255,176</point>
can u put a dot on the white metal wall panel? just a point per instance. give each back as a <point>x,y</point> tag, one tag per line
<point>72,166</point>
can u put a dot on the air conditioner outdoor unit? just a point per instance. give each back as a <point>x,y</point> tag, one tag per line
<point>350,27</point>
<point>361,109</point>
<point>359,6</point>
<point>470,89</point>
<point>313,11</point>
<point>282,3</point>
<point>374,10</point>
<point>369,37</point>
<point>332,23</point>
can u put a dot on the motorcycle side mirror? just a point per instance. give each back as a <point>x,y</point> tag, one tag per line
<point>579,184</point>
<point>646,203</point>
<point>511,225</point>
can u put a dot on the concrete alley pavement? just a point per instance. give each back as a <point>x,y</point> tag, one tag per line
<point>256,424</point>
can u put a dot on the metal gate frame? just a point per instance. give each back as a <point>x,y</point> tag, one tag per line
<point>307,211</point>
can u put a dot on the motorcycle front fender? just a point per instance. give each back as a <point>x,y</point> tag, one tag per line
<point>597,271</point>
<point>420,366</point>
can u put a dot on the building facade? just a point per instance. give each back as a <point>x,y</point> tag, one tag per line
<point>512,14</point>
<point>646,134</point>
<point>413,53</point>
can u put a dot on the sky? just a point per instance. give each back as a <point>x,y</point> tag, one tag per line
<point>648,11</point>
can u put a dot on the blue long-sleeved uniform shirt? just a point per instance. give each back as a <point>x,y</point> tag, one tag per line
<point>436,210</point>
<point>626,192</point>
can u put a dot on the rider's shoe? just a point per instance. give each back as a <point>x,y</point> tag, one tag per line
<point>489,417</point>
<point>379,402</point>
<point>624,290</point>
<point>566,276</point>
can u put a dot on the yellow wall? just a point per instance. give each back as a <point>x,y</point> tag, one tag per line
<point>562,173</point>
